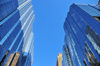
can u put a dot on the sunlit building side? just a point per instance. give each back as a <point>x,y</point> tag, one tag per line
<point>59,60</point>
<point>16,33</point>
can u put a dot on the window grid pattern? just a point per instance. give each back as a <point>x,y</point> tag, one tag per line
<point>15,29</point>
<point>7,8</point>
<point>21,2</point>
<point>66,56</point>
<point>78,25</point>
<point>12,36</point>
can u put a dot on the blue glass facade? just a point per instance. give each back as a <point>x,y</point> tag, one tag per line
<point>16,32</point>
<point>82,34</point>
<point>66,57</point>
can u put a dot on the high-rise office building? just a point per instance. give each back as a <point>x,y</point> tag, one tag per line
<point>16,33</point>
<point>66,56</point>
<point>59,60</point>
<point>82,34</point>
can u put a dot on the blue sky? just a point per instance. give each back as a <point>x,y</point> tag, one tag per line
<point>48,29</point>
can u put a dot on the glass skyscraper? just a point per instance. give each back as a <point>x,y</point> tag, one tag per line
<point>16,33</point>
<point>66,56</point>
<point>82,36</point>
